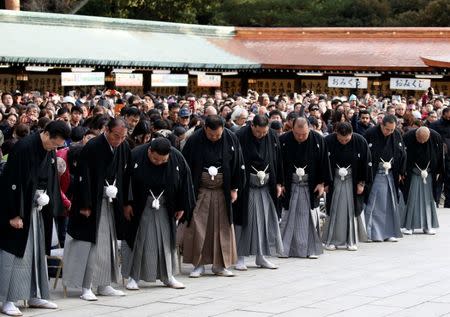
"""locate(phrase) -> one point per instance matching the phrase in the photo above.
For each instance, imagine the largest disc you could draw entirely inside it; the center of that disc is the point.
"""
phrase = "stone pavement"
(408, 278)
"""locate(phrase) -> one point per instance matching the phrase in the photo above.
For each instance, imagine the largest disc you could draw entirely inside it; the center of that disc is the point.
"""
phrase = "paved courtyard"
(408, 278)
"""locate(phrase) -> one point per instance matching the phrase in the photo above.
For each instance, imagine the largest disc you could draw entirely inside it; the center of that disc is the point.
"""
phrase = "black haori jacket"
(95, 165)
(361, 168)
(18, 185)
(393, 148)
(318, 165)
(178, 189)
(233, 168)
(420, 154)
(273, 153)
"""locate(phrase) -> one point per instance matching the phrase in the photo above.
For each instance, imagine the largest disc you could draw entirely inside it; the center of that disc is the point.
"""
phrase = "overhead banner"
(410, 83)
(83, 79)
(204, 80)
(347, 82)
(129, 80)
(170, 80)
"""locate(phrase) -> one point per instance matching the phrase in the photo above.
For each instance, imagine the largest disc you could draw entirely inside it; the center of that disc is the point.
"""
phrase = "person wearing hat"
(183, 118)
(68, 102)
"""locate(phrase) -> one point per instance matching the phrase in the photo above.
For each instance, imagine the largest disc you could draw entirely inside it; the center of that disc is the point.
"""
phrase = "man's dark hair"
(313, 121)
(260, 121)
(361, 112)
(173, 105)
(445, 110)
(160, 124)
(275, 113)
(76, 109)
(389, 119)
(57, 129)
(160, 145)
(214, 122)
(276, 125)
(62, 111)
(292, 115)
(132, 112)
(343, 128)
(115, 122)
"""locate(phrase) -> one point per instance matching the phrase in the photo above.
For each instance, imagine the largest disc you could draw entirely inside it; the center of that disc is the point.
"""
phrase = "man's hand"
(359, 188)
(179, 214)
(128, 212)
(233, 195)
(85, 212)
(280, 190)
(16, 222)
(320, 189)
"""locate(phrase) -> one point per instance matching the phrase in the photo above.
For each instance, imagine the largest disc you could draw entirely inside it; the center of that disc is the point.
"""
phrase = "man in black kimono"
(442, 126)
(425, 161)
(351, 161)
(388, 168)
(162, 193)
(218, 172)
(31, 198)
(96, 219)
(257, 230)
(307, 173)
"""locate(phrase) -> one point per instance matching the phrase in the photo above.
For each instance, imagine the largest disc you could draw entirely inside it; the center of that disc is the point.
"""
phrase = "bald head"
(301, 129)
(301, 122)
(422, 134)
(210, 111)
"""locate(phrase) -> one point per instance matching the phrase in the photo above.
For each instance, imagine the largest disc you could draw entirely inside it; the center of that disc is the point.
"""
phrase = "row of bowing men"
(224, 194)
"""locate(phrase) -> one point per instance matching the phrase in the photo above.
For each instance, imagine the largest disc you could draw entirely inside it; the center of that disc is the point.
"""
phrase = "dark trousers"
(444, 180)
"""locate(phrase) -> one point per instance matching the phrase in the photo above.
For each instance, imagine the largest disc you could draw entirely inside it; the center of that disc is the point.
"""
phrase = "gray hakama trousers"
(26, 277)
(261, 235)
(341, 227)
(152, 256)
(382, 212)
(421, 207)
(300, 224)
(89, 264)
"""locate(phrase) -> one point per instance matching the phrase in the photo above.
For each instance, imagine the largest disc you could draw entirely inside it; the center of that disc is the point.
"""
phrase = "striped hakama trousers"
(209, 238)
(382, 211)
(26, 277)
(261, 235)
(300, 224)
(87, 264)
(341, 227)
(152, 256)
(420, 207)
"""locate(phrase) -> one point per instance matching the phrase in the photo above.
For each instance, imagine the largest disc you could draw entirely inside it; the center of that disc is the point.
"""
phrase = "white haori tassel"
(423, 173)
(213, 171)
(155, 203)
(387, 165)
(300, 171)
(111, 190)
(42, 200)
(343, 171)
(261, 174)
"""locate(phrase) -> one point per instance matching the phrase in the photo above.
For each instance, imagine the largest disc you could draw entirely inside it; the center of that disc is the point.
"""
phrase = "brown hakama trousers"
(210, 239)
